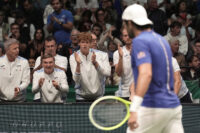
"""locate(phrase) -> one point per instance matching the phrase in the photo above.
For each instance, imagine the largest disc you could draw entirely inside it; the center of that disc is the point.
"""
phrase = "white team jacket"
(60, 61)
(12, 75)
(90, 82)
(48, 92)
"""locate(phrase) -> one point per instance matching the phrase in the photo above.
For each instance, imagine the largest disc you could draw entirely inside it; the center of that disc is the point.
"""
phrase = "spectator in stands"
(107, 37)
(158, 17)
(4, 27)
(175, 32)
(26, 30)
(50, 81)
(122, 63)
(100, 18)
(111, 13)
(33, 16)
(36, 46)
(174, 44)
(182, 16)
(60, 61)
(89, 68)
(85, 23)
(60, 23)
(94, 41)
(15, 73)
(82, 5)
(47, 11)
(97, 30)
(15, 33)
(193, 72)
(73, 46)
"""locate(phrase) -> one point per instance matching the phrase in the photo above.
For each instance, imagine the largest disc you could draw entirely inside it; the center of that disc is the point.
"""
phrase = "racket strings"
(108, 113)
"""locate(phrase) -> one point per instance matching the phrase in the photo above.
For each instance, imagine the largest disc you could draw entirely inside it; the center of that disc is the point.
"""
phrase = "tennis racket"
(109, 112)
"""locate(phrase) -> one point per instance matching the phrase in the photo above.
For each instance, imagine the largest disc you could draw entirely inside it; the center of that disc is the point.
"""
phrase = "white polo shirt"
(127, 75)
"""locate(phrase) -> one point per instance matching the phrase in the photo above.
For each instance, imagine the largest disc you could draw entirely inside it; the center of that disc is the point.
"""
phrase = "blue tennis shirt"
(150, 47)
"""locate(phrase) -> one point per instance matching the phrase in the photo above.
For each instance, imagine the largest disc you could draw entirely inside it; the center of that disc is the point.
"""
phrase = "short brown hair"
(45, 56)
(85, 36)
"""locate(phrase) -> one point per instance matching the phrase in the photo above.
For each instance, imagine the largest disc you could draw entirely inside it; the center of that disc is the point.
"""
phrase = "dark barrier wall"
(68, 118)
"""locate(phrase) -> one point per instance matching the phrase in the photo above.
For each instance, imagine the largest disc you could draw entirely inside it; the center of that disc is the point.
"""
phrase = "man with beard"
(153, 74)
(60, 23)
(60, 61)
(15, 73)
(89, 68)
(122, 63)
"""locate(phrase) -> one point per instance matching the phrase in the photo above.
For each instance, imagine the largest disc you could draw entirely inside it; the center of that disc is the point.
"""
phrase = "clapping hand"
(77, 58)
(41, 81)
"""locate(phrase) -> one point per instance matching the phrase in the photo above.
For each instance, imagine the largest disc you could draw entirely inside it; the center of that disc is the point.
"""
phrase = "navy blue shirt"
(150, 47)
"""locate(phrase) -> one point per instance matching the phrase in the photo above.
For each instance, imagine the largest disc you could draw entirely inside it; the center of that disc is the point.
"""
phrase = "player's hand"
(77, 58)
(93, 58)
(17, 90)
(120, 50)
(41, 81)
(55, 84)
(132, 122)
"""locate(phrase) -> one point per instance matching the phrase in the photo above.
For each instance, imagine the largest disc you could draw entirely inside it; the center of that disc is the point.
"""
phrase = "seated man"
(89, 68)
(15, 73)
(51, 82)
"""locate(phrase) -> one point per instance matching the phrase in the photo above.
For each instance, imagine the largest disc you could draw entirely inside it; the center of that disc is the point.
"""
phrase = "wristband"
(136, 102)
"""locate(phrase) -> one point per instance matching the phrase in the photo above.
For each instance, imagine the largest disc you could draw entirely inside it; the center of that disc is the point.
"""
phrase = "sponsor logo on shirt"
(141, 55)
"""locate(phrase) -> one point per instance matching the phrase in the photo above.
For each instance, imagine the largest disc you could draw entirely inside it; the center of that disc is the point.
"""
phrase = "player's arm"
(144, 79)
(132, 91)
(177, 82)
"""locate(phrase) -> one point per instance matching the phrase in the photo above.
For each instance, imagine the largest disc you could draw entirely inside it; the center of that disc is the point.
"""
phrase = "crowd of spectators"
(53, 27)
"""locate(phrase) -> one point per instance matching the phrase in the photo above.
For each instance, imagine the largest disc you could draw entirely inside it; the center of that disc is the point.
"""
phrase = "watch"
(61, 23)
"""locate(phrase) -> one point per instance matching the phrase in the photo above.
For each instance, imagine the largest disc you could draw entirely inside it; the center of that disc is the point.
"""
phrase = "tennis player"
(155, 107)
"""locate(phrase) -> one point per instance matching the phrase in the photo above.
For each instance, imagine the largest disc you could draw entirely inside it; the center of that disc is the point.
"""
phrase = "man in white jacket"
(60, 61)
(89, 68)
(51, 82)
(15, 73)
